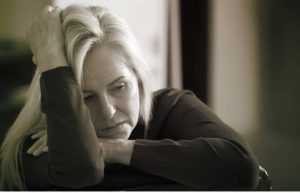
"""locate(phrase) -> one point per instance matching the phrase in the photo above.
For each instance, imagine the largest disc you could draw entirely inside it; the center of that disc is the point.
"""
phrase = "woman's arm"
(74, 156)
(190, 145)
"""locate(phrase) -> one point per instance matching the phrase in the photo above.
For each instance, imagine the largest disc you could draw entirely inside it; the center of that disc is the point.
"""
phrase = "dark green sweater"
(186, 147)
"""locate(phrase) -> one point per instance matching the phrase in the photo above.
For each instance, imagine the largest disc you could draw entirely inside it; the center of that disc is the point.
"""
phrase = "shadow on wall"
(15, 75)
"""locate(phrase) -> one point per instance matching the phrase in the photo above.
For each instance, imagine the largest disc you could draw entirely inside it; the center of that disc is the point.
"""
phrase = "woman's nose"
(108, 108)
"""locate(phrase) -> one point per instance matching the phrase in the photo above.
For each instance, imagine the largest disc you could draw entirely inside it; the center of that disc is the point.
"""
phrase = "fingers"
(36, 145)
(39, 134)
(45, 149)
(50, 8)
(34, 60)
(40, 149)
(40, 145)
(48, 15)
(57, 9)
(46, 39)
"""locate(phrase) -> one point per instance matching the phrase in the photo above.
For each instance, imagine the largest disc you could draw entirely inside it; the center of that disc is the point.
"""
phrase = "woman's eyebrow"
(113, 82)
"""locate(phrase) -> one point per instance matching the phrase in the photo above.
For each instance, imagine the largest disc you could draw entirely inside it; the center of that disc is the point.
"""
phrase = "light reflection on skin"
(111, 92)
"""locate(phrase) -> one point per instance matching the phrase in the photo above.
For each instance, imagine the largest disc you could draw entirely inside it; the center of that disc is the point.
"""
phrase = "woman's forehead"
(104, 65)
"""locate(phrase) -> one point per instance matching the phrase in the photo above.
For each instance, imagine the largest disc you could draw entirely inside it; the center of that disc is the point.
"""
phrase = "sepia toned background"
(242, 57)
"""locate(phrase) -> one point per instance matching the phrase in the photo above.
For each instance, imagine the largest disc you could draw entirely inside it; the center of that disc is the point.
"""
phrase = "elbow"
(243, 167)
(248, 173)
(77, 177)
(88, 177)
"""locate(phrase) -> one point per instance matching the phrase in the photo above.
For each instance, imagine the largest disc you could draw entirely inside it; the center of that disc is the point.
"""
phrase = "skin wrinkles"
(111, 92)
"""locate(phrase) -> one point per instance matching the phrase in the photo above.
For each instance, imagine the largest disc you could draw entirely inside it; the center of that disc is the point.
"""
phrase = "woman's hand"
(114, 150)
(47, 40)
(117, 150)
(40, 145)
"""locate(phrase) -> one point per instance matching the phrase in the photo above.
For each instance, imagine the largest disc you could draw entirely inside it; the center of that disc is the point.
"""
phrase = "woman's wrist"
(125, 152)
(117, 150)
(51, 62)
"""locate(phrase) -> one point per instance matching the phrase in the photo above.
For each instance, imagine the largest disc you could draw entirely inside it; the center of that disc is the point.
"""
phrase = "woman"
(86, 123)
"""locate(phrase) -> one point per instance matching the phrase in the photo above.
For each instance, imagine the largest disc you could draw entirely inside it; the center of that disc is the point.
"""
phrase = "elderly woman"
(92, 122)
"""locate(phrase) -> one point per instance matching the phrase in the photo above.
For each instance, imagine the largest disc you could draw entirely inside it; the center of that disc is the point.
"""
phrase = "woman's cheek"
(93, 113)
(133, 108)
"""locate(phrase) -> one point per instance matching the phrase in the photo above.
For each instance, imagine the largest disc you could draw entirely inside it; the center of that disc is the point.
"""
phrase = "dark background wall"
(279, 34)
(15, 74)
(279, 49)
(254, 80)
(16, 68)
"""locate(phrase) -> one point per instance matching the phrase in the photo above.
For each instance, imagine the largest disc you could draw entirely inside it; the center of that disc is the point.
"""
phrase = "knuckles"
(45, 33)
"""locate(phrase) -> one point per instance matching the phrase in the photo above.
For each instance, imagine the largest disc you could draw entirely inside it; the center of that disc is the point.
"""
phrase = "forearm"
(200, 162)
(192, 146)
(69, 129)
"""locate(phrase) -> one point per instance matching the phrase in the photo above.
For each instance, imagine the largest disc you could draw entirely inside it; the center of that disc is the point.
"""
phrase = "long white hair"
(83, 27)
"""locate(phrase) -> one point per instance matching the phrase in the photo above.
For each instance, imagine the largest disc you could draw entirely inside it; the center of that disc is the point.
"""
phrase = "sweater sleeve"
(74, 156)
(194, 147)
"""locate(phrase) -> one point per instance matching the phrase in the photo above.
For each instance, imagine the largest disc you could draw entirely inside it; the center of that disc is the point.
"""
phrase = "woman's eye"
(121, 90)
(120, 87)
(88, 97)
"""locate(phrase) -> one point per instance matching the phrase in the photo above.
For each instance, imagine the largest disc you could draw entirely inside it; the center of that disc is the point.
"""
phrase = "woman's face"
(111, 92)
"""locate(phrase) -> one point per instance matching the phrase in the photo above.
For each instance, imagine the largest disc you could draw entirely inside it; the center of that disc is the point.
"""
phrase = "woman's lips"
(112, 127)
(110, 132)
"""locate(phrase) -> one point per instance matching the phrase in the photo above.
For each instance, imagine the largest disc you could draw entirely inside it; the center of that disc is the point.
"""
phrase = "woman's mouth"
(114, 126)
(115, 131)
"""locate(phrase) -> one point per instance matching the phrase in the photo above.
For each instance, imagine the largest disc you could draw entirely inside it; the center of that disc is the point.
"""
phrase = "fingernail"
(35, 153)
(29, 151)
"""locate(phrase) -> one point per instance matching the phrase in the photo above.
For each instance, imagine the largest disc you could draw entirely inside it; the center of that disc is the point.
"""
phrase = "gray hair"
(84, 27)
